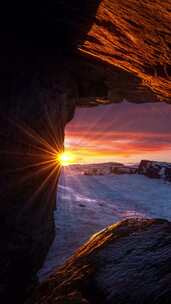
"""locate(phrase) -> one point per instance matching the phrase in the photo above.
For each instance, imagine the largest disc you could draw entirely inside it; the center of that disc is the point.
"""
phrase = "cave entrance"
(124, 132)
(99, 183)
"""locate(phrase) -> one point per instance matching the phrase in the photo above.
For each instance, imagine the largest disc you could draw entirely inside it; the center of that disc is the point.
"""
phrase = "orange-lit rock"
(123, 263)
(134, 35)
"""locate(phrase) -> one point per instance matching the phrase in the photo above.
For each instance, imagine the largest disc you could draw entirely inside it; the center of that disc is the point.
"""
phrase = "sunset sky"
(122, 132)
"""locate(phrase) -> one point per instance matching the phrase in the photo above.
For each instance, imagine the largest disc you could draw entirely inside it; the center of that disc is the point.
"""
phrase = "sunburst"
(65, 158)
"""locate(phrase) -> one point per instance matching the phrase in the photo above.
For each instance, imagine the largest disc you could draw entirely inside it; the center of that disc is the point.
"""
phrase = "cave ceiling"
(115, 49)
(133, 41)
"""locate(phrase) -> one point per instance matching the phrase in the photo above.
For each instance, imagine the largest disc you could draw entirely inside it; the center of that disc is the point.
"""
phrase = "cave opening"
(124, 132)
(101, 180)
(110, 50)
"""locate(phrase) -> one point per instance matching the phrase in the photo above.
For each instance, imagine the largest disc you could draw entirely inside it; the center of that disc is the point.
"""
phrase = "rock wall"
(155, 169)
(33, 115)
(37, 98)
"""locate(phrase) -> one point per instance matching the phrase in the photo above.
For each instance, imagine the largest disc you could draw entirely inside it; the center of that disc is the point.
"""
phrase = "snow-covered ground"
(87, 204)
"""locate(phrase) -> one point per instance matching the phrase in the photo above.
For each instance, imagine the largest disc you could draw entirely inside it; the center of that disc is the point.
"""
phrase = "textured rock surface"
(134, 36)
(100, 83)
(128, 45)
(128, 262)
(155, 169)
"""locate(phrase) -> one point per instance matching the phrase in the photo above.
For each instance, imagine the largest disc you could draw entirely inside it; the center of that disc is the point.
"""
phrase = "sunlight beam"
(65, 158)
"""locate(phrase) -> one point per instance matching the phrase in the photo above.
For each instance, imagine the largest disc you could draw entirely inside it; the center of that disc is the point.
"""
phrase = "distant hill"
(105, 168)
(149, 168)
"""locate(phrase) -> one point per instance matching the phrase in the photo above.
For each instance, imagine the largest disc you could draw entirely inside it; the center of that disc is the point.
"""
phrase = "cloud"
(128, 131)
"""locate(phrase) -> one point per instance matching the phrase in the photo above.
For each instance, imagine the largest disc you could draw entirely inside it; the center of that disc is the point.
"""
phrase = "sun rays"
(65, 158)
(34, 163)
(37, 154)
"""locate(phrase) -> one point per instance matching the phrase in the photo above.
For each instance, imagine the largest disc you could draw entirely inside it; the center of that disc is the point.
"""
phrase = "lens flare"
(65, 158)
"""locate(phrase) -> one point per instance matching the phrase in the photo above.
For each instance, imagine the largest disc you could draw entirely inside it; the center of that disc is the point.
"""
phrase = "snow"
(87, 204)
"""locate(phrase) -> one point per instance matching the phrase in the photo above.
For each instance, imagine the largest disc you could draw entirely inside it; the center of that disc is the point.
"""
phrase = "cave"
(105, 178)
(55, 57)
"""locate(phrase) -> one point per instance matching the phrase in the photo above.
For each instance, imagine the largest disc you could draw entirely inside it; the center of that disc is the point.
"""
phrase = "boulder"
(128, 262)
(155, 169)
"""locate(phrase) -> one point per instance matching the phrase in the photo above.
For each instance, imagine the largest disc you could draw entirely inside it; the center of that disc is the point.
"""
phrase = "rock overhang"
(115, 50)
(134, 37)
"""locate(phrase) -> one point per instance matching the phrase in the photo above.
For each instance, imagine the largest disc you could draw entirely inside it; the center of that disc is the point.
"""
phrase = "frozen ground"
(87, 204)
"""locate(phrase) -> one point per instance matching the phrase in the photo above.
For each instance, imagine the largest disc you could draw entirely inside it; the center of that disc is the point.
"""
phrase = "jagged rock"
(155, 169)
(128, 262)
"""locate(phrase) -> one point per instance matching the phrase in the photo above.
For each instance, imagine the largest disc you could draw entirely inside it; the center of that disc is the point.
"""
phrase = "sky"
(122, 132)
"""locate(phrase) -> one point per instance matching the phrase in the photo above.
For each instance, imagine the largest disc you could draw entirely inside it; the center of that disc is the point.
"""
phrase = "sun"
(65, 158)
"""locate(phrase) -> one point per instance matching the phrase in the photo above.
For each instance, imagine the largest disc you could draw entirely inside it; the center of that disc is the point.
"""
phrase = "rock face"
(155, 169)
(32, 132)
(128, 262)
(37, 99)
(134, 36)
(117, 50)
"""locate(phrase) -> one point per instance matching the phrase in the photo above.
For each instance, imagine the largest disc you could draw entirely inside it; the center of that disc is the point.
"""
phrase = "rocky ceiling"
(132, 38)
(114, 49)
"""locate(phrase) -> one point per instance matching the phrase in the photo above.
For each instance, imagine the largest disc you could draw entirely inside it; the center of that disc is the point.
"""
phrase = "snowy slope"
(87, 204)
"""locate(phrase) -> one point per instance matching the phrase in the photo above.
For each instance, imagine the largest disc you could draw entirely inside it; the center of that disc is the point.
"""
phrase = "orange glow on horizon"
(123, 133)
(116, 147)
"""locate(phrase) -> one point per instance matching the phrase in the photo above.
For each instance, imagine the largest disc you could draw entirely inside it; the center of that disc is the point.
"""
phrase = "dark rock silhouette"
(128, 262)
(155, 169)
(37, 99)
